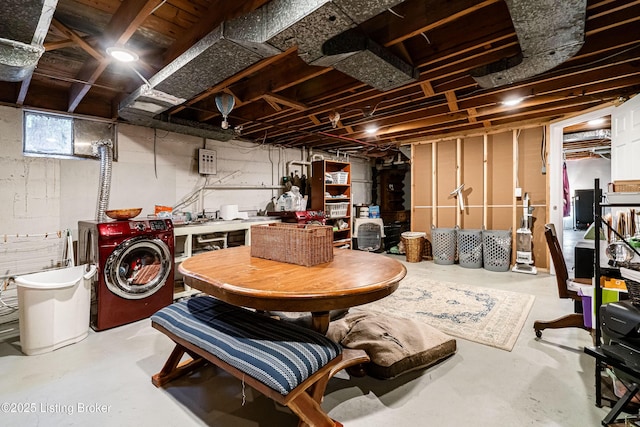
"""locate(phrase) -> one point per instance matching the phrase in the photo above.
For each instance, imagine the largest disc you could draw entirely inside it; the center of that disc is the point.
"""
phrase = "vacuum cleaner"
(524, 254)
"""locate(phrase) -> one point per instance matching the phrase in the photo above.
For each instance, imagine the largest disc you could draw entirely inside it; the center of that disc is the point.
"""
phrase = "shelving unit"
(333, 196)
(196, 238)
(601, 358)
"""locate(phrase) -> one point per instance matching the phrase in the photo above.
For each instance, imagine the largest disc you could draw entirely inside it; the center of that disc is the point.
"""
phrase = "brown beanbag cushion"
(395, 345)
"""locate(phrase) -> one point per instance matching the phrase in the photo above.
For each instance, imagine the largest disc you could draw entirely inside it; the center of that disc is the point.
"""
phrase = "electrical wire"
(395, 13)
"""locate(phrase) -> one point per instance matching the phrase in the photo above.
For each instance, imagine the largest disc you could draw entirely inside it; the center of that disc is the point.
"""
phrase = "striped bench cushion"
(279, 354)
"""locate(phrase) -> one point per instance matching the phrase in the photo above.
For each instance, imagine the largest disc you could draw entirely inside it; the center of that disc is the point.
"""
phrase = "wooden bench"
(288, 363)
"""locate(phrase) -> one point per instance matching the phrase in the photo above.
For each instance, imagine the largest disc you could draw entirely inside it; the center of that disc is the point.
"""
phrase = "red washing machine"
(135, 268)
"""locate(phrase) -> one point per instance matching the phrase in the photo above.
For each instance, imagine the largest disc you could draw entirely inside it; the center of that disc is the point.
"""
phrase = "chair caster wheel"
(538, 334)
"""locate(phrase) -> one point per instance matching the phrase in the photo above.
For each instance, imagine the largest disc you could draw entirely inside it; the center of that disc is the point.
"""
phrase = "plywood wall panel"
(421, 187)
(500, 169)
(446, 216)
(472, 217)
(422, 175)
(472, 170)
(446, 171)
(499, 218)
(530, 177)
(421, 220)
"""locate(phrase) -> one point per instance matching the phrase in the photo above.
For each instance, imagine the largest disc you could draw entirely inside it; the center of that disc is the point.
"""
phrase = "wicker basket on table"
(300, 244)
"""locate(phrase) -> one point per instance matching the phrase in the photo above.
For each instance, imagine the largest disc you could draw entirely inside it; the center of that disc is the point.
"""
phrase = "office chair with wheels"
(567, 288)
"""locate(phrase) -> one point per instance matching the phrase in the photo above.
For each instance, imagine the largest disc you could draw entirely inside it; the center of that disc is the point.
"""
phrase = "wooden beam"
(60, 44)
(72, 35)
(425, 16)
(452, 101)
(314, 119)
(127, 19)
(278, 78)
(272, 103)
(427, 88)
(255, 68)
(472, 115)
(274, 97)
(123, 24)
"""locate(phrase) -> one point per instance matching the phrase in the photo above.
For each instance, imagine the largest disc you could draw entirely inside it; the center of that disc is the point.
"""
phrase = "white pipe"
(70, 256)
(296, 162)
(242, 187)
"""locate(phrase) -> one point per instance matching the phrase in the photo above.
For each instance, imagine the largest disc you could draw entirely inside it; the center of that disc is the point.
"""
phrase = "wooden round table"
(352, 278)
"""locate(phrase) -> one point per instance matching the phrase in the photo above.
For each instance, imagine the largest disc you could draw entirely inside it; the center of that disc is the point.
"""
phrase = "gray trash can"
(470, 248)
(496, 249)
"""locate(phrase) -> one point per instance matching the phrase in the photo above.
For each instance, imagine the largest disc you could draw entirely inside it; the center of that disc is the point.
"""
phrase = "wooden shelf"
(339, 193)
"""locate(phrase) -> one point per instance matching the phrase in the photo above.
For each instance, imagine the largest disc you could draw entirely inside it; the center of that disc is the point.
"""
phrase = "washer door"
(138, 267)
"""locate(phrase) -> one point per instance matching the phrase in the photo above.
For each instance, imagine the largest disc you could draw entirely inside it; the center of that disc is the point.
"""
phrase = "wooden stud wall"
(491, 167)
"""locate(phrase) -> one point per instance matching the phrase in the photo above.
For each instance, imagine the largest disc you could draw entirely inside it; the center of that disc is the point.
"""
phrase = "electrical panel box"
(207, 162)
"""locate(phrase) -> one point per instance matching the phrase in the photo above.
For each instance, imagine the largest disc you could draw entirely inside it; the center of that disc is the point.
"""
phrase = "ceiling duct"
(307, 24)
(549, 32)
(210, 61)
(366, 61)
(589, 135)
(23, 28)
(240, 43)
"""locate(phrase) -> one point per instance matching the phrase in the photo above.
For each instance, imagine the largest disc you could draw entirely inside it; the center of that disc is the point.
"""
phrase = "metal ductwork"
(23, 28)
(242, 42)
(361, 58)
(589, 135)
(211, 60)
(549, 32)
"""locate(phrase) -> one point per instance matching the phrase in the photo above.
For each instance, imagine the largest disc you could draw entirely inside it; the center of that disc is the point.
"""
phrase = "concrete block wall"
(41, 195)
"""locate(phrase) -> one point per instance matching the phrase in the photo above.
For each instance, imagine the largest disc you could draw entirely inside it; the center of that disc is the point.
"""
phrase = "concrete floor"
(105, 380)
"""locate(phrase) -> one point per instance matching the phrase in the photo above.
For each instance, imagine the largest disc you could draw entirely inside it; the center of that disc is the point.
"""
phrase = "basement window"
(55, 135)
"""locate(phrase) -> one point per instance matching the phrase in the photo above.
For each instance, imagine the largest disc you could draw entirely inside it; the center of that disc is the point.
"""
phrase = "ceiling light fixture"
(122, 54)
(511, 102)
(371, 129)
(595, 122)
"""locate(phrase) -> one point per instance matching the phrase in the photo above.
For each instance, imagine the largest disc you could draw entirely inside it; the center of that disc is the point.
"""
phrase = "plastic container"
(443, 242)
(588, 310)
(337, 210)
(53, 308)
(470, 248)
(413, 245)
(496, 249)
(340, 177)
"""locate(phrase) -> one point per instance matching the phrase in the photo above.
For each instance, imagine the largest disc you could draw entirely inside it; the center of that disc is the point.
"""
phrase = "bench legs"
(349, 357)
(304, 401)
(173, 369)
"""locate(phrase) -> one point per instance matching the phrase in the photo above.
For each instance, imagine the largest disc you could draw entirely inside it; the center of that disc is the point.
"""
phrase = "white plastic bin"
(54, 308)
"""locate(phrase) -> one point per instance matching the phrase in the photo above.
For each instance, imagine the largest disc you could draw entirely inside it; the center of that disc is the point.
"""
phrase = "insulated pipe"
(106, 161)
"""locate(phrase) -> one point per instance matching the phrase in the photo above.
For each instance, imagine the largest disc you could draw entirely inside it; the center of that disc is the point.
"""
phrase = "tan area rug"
(486, 316)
